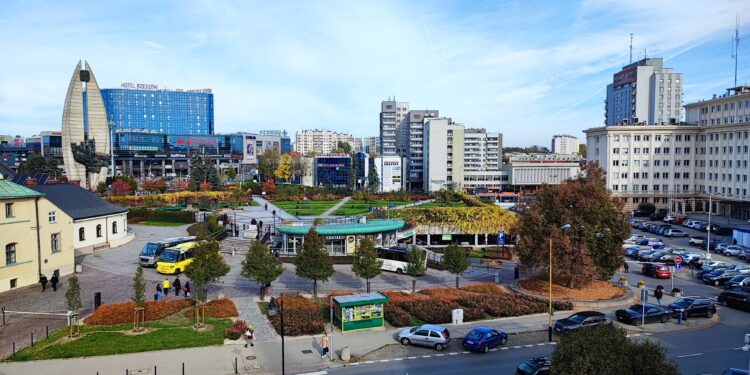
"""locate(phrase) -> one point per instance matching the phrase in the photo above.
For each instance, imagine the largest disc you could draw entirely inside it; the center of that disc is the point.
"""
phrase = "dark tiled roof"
(6, 171)
(78, 202)
(20, 178)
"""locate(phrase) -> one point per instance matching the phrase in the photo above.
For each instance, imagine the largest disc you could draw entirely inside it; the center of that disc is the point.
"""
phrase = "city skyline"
(272, 66)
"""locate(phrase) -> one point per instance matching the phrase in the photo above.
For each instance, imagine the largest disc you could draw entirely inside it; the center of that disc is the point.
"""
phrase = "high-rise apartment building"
(443, 157)
(392, 117)
(644, 92)
(564, 144)
(371, 144)
(320, 141)
(483, 151)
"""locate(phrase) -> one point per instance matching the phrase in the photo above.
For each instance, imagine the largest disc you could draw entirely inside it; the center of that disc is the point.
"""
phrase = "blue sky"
(529, 69)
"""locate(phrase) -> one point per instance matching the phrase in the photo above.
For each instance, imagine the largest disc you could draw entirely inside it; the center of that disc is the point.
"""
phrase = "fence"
(31, 335)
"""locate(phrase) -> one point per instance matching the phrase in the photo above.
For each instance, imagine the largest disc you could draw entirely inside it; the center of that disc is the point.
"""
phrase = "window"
(9, 210)
(114, 227)
(624, 163)
(55, 242)
(52, 215)
(81, 234)
(615, 163)
(98, 230)
(13, 283)
(10, 254)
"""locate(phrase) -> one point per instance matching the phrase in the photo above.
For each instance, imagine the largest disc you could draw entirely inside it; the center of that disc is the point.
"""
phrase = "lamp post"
(549, 320)
(273, 308)
(274, 221)
(708, 231)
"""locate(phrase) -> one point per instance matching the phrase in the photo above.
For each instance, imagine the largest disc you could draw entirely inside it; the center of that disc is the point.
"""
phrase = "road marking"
(426, 356)
(316, 373)
(647, 334)
(493, 350)
(689, 355)
(398, 359)
(439, 355)
(529, 346)
(454, 353)
(464, 352)
(541, 344)
(517, 347)
(355, 364)
(504, 348)
(411, 357)
(553, 343)
(385, 360)
(368, 362)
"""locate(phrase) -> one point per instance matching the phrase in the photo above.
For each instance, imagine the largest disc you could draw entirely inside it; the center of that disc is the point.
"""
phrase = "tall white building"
(320, 141)
(483, 151)
(371, 144)
(392, 117)
(644, 92)
(443, 157)
(564, 144)
(390, 171)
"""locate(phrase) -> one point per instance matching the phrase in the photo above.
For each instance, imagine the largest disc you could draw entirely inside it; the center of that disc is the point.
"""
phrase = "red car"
(659, 271)
(678, 220)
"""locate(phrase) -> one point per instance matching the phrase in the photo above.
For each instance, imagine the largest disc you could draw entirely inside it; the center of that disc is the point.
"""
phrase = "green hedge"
(166, 216)
(339, 259)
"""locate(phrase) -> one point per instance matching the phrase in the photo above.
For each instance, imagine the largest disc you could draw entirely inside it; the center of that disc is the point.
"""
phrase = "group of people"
(54, 281)
(162, 289)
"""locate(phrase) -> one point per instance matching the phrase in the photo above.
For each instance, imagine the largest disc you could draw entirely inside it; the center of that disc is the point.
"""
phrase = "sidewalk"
(335, 207)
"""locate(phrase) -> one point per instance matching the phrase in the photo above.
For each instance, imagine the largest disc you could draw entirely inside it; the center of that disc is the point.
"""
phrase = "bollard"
(14, 348)
(46, 328)
(32, 338)
(3, 315)
(154, 369)
(235, 366)
(183, 368)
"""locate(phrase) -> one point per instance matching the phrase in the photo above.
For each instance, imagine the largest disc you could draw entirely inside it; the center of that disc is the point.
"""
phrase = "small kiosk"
(359, 311)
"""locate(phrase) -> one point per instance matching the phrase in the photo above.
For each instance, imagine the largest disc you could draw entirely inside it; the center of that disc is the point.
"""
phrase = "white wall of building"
(564, 144)
(390, 172)
(443, 154)
(108, 233)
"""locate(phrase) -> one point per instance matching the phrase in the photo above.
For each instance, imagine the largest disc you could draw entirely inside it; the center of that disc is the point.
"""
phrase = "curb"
(622, 301)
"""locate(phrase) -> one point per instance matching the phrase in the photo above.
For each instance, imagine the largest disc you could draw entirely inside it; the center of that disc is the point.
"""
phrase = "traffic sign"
(677, 266)
(677, 260)
(501, 237)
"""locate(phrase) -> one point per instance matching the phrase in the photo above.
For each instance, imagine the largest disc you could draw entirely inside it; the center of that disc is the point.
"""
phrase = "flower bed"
(595, 290)
(302, 316)
(118, 313)
(236, 330)
(189, 197)
(218, 308)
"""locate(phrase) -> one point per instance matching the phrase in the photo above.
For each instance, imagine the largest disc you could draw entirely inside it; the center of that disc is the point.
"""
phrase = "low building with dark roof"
(96, 223)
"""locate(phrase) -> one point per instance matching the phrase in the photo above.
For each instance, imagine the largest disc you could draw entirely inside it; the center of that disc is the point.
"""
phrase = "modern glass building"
(160, 111)
(332, 170)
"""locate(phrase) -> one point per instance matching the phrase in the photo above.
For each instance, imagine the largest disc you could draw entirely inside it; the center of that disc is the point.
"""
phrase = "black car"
(720, 276)
(634, 314)
(534, 366)
(737, 298)
(693, 306)
(706, 270)
(581, 319)
(738, 281)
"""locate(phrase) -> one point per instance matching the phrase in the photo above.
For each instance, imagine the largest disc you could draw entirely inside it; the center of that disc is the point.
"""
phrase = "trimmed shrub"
(218, 308)
(119, 313)
(432, 310)
(485, 288)
(236, 330)
(166, 216)
(397, 316)
(302, 316)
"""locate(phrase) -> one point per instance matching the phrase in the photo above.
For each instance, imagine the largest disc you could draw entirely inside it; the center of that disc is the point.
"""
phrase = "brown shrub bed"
(123, 312)
(218, 308)
(302, 316)
(596, 290)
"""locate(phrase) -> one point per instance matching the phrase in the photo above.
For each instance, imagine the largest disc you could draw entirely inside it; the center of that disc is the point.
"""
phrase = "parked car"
(653, 256)
(693, 306)
(735, 371)
(697, 224)
(732, 250)
(658, 271)
(710, 268)
(671, 232)
(668, 218)
(645, 256)
(634, 314)
(688, 223)
(720, 276)
(667, 258)
(721, 245)
(482, 339)
(737, 298)
(534, 366)
(696, 240)
(631, 252)
(678, 220)
(745, 254)
(738, 281)
(581, 319)
(430, 335)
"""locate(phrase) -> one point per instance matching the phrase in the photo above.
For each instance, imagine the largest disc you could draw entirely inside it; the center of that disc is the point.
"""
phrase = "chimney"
(75, 182)
(30, 182)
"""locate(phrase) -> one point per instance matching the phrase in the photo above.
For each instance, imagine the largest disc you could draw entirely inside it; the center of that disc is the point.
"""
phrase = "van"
(151, 251)
(175, 259)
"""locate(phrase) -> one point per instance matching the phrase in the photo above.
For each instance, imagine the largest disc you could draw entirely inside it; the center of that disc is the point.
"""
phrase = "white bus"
(395, 259)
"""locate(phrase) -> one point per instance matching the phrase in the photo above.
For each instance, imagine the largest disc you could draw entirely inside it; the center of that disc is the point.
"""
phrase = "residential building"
(678, 166)
(371, 144)
(35, 235)
(390, 172)
(644, 92)
(483, 151)
(443, 156)
(320, 141)
(256, 144)
(530, 171)
(393, 116)
(564, 144)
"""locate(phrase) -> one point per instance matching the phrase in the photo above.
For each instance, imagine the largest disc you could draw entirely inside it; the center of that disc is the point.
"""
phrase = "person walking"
(157, 296)
(165, 287)
(177, 286)
(54, 280)
(658, 294)
(626, 267)
(187, 289)
(324, 344)
(249, 335)
(43, 281)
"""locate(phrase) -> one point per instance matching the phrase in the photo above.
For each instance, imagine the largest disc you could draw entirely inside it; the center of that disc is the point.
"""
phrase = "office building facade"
(390, 172)
(371, 144)
(393, 115)
(331, 170)
(564, 144)
(530, 171)
(644, 92)
(320, 141)
(483, 151)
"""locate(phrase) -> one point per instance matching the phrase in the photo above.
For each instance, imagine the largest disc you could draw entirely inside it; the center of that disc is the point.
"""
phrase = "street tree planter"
(623, 281)
(200, 315)
(139, 320)
(677, 293)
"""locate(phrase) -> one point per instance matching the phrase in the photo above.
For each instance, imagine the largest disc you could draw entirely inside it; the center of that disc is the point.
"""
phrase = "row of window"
(82, 231)
(657, 150)
(654, 188)
(656, 175)
(11, 257)
(727, 106)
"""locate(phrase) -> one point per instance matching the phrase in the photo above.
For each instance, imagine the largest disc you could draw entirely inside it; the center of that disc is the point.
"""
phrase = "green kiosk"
(359, 311)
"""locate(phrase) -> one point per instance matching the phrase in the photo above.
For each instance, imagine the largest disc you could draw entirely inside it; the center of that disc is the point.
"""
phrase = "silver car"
(429, 335)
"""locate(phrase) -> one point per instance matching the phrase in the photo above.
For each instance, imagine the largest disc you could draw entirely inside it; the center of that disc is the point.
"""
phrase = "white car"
(675, 233)
(668, 218)
(696, 224)
(688, 223)
(733, 250)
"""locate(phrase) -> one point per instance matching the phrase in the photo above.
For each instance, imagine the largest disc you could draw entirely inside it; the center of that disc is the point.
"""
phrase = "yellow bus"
(174, 260)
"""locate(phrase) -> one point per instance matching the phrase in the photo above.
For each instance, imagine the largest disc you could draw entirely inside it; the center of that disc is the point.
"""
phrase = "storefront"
(341, 239)
(359, 311)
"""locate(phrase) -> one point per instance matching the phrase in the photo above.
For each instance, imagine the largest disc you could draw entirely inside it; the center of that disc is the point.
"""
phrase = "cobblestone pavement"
(250, 312)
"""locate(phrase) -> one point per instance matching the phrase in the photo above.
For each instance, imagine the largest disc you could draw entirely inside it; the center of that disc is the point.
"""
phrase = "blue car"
(481, 339)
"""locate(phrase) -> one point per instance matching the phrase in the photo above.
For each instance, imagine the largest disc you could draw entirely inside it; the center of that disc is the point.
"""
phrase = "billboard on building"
(250, 150)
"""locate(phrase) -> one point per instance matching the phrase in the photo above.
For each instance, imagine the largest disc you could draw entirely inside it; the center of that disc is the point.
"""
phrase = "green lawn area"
(356, 207)
(305, 208)
(160, 223)
(108, 340)
(436, 204)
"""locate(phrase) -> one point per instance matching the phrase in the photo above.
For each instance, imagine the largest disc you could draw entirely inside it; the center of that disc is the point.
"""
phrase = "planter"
(624, 282)
(677, 294)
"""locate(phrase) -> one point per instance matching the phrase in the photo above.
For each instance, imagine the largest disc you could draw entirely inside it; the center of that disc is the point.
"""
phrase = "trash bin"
(458, 316)
(346, 354)
(97, 300)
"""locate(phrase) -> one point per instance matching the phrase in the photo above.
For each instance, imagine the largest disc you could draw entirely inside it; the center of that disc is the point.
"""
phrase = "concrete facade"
(483, 151)
(533, 170)
(390, 172)
(443, 154)
(564, 144)
(320, 141)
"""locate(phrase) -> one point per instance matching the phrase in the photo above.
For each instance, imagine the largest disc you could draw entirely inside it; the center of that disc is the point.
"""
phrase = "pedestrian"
(626, 267)
(233, 251)
(177, 286)
(43, 281)
(187, 289)
(249, 335)
(54, 282)
(679, 316)
(324, 344)
(165, 287)
(157, 296)
(658, 294)
(266, 206)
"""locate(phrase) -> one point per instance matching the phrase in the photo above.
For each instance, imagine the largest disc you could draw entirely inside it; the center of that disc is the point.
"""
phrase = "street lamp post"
(274, 221)
(549, 321)
(272, 310)
(708, 235)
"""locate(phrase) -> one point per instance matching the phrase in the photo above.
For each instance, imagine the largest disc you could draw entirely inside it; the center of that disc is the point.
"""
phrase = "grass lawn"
(356, 207)
(160, 223)
(305, 208)
(108, 340)
(436, 204)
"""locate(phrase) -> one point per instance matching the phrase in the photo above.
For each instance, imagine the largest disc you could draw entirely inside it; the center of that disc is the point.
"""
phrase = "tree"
(260, 265)
(139, 299)
(269, 186)
(120, 187)
(646, 208)
(605, 350)
(345, 147)
(205, 186)
(299, 167)
(415, 266)
(103, 186)
(455, 260)
(351, 183)
(592, 246)
(36, 163)
(231, 173)
(582, 150)
(313, 262)
(284, 169)
(268, 161)
(366, 263)
(155, 186)
(373, 180)
(208, 266)
(202, 169)
(73, 294)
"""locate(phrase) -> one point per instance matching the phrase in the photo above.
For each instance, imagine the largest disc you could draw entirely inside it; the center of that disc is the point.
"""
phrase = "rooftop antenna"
(631, 48)
(736, 47)
(644, 54)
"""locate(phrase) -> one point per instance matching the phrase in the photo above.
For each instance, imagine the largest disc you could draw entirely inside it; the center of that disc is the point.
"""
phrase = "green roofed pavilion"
(369, 227)
(9, 190)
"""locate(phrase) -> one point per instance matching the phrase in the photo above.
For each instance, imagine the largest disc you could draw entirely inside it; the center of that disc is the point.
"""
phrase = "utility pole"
(631, 49)
(735, 54)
